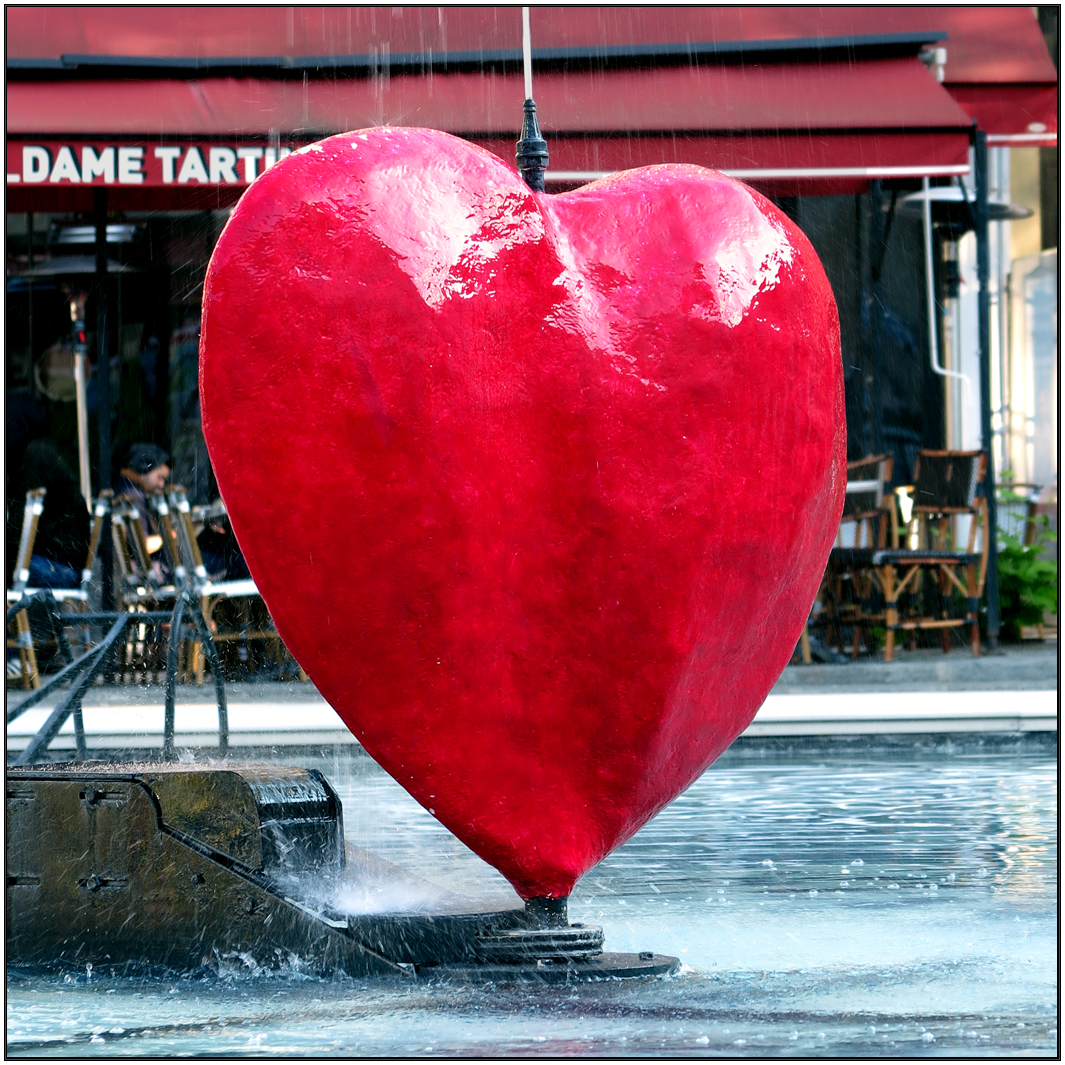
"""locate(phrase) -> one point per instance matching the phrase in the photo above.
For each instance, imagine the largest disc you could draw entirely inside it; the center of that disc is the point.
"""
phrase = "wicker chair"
(77, 598)
(213, 593)
(850, 592)
(947, 487)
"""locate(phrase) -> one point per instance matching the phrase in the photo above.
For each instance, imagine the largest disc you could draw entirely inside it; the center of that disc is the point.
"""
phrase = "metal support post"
(31, 262)
(983, 271)
(531, 150)
(103, 392)
(874, 310)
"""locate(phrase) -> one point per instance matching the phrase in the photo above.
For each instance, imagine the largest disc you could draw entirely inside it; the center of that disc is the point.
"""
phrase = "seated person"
(145, 472)
(62, 542)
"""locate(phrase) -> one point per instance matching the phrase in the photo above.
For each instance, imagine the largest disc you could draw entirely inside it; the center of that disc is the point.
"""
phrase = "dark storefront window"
(873, 257)
(156, 266)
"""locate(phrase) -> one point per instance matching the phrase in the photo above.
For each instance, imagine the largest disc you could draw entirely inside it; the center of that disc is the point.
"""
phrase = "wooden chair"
(23, 639)
(139, 589)
(869, 504)
(171, 541)
(945, 489)
(849, 591)
(78, 598)
(101, 507)
(138, 582)
(212, 593)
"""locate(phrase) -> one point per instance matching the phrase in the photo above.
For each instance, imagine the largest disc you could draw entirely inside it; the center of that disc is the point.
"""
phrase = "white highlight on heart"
(611, 276)
(431, 219)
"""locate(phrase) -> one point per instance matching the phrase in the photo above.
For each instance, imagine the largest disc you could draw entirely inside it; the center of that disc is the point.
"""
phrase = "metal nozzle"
(531, 153)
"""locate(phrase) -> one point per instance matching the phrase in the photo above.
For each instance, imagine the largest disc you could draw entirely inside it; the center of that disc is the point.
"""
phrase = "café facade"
(132, 132)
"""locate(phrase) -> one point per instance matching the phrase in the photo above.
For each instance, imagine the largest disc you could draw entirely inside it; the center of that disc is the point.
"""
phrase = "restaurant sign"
(149, 165)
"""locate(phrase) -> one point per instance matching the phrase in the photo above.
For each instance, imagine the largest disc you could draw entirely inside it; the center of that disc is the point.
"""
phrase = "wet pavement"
(1031, 666)
(1028, 666)
(1012, 690)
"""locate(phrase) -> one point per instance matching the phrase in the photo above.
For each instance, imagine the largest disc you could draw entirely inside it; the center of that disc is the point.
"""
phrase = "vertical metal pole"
(983, 271)
(103, 389)
(526, 52)
(1002, 229)
(861, 434)
(82, 751)
(30, 263)
(531, 150)
(173, 651)
(81, 377)
(876, 237)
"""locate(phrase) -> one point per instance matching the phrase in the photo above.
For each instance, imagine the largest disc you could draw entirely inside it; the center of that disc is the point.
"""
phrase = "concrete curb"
(312, 721)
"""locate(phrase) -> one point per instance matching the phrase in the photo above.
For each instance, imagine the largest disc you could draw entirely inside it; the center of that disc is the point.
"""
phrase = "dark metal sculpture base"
(554, 971)
(185, 866)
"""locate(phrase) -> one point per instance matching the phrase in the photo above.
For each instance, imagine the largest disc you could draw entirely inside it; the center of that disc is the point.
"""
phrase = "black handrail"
(55, 618)
(71, 702)
(77, 664)
(84, 670)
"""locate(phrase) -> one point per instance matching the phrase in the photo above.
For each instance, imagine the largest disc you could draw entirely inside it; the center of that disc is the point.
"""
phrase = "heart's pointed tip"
(560, 889)
(542, 873)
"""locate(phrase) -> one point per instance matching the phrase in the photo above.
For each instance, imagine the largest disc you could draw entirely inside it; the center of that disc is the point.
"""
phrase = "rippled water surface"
(837, 902)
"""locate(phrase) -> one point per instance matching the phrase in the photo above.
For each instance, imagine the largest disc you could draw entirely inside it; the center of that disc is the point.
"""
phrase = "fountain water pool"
(842, 900)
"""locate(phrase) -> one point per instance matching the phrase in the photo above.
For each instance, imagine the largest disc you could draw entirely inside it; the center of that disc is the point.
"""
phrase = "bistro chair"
(170, 537)
(23, 640)
(136, 582)
(139, 587)
(212, 593)
(77, 598)
(946, 495)
(849, 591)
(868, 503)
(101, 507)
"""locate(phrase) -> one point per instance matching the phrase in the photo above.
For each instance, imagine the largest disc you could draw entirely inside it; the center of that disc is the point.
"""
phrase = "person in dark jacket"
(145, 473)
(62, 543)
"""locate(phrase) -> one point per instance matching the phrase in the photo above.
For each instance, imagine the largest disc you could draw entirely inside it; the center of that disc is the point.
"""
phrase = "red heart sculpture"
(538, 489)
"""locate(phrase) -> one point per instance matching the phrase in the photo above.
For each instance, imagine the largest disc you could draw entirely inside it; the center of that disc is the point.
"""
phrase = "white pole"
(80, 380)
(526, 51)
(930, 284)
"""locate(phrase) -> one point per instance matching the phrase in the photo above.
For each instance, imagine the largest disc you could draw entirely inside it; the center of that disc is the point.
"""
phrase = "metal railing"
(81, 672)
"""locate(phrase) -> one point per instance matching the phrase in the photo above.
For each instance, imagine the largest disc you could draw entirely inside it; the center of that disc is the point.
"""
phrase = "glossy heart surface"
(538, 489)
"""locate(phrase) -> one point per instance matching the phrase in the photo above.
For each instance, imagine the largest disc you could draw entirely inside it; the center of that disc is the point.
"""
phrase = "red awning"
(896, 94)
(1014, 115)
(806, 102)
(804, 126)
(1000, 72)
(233, 30)
(986, 44)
